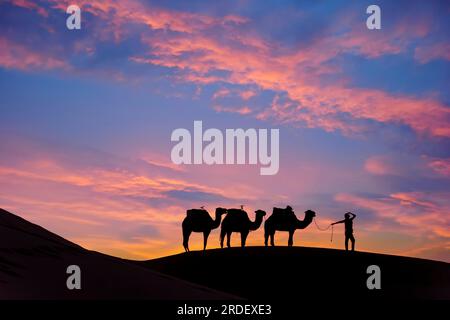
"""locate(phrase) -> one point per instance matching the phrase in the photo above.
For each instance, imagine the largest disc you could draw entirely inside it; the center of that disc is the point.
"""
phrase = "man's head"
(347, 215)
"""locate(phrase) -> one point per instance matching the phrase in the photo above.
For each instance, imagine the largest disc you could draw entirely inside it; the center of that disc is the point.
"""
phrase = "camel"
(285, 220)
(237, 221)
(199, 220)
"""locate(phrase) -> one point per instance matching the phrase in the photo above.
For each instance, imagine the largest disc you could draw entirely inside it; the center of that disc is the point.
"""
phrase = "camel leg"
(272, 238)
(228, 239)
(222, 237)
(291, 238)
(205, 239)
(186, 235)
(243, 238)
(266, 236)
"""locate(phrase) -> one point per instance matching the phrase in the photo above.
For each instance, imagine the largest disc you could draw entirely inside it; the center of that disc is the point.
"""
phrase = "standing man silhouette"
(348, 229)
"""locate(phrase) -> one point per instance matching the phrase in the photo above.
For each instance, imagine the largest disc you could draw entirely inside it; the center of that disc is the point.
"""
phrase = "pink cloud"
(399, 164)
(257, 63)
(408, 165)
(422, 218)
(17, 56)
(379, 165)
(202, 44)
(224, 92)
(30, 5)
(419, 213)
(441, 166)
(240, 110)
(424, 54)
(392, 41)
(112, 182)
(247, 94)
(120, 13)
(413, 198)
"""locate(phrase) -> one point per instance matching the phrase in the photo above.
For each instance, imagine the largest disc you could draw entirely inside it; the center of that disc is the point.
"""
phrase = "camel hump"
(196, 212)
(236, 212)
(282, 211)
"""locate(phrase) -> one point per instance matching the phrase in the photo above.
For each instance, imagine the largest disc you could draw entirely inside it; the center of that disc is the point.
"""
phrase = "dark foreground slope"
(33, 264)
(311, 273)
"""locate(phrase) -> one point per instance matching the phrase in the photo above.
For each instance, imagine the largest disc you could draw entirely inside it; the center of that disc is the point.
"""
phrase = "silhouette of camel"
(237, 221)
(285, 220)
(199, 220)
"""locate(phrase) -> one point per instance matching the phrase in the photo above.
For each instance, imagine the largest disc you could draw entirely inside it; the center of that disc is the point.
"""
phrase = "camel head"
(310, 214)
(261, 213)
(221, 211)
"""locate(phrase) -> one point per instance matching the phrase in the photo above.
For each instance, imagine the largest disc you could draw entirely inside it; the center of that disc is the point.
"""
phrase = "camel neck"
(216, 221)
(301, 224)
(254, 225)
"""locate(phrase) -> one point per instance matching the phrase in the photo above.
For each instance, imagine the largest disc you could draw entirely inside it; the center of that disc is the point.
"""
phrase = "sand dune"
(33, 264)
(290, 273)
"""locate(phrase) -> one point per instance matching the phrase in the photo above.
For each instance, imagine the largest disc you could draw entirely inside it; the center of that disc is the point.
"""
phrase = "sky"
(86, 118)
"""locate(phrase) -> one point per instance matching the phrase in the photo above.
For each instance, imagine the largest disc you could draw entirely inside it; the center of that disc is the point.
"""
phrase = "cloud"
(423, 213)
(398, 164)
(247, 94)
(223, 92)
(31, 6)
(408, 166)
(425, 54)
(117, 205)
(244, 110)
(121, 13)
(83, 180)
(409, 223)
(331, 107)
(198, 196)
(379, 165)
(441, 166)
(17, 56)
(205, 49)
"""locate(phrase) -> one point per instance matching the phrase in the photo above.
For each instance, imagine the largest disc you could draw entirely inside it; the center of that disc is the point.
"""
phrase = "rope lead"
(332, 228)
